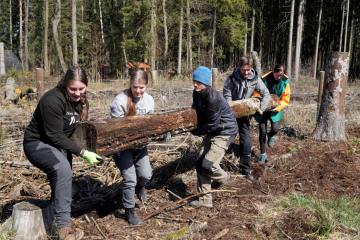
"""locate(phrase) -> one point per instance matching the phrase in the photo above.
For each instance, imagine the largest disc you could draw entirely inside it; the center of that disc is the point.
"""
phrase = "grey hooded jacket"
(238, 88)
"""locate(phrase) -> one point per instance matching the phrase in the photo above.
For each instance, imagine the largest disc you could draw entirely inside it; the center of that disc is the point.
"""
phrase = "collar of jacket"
(203, 92)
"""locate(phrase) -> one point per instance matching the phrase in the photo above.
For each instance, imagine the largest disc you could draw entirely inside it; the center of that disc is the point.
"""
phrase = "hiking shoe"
(69, 233)
(271, 141)
(141, 194)
(197, 204)
(132, 217)
(262, 158)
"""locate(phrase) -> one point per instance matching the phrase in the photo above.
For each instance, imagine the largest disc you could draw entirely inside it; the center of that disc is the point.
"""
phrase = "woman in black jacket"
(47, 144)
(217, 122)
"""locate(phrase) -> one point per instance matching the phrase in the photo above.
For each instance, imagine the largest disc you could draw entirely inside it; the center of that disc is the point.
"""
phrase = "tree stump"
(32, 220)
(330, 124)
(10, 89)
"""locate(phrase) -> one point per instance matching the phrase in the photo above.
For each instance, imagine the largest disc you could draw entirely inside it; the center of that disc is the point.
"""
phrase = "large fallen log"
(109, 136)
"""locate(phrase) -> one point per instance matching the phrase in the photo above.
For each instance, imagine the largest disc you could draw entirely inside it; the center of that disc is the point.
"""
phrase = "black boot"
(131, 216)
(141, 194)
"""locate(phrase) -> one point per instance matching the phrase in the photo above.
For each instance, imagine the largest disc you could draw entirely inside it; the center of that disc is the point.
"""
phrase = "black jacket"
(54, 121)
(214, 113)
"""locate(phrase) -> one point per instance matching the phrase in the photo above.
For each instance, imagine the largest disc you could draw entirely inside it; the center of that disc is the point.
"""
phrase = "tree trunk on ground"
(74, 32)
(46, 37)
(32, 220)
(26, 36)
(317, 40)
(21, 38)
(166, 43)
(110, 136)
(331, 118)
(342, 25)
(180, 37)
(153, 36)
(213, 40)
(55, 24)
(10, 25)
(299, 40)
(189, 38)
(291, 29)
(346, 25)
(252, 30)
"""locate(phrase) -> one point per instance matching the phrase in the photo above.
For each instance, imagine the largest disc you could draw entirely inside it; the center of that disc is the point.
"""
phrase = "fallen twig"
(98, 228)
(282, 231)
(220, 234)
(180, 203)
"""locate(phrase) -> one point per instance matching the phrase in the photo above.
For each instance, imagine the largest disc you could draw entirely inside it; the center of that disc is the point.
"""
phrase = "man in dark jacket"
(217, 122)
(241, 84)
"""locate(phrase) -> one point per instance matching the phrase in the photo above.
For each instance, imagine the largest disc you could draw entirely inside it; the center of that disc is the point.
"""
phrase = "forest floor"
(307, 190)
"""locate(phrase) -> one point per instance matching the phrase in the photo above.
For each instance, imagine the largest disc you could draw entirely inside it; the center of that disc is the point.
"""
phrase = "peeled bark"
(110, 136)
(331, 118)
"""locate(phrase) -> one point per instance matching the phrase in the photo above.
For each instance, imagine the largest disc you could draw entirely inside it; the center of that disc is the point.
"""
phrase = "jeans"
(275, 127)
(136, 172)
(57, 167)
(245, 144)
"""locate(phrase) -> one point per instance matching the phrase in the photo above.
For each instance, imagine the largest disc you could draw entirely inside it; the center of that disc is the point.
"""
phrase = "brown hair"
(279, 67)
(76, 73)
(244, 61)
(135, 76)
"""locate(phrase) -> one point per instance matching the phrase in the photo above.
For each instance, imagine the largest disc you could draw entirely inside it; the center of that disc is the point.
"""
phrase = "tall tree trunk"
(291, 29)
(74, 32)
(180, 36)
(299, 39)
(245, 37)
(189, 38)
(346, 25)
(213, 39)
(317, 40)
(342, 24)
(21, 38)
(252, 31)
(10, 24)
(166, 43)
(351, 42)
(153, 35)
(123, 37)
(55, 24)
(261, 30)
(331, 118)
(26, 36)
(46, 36)
(101, 23)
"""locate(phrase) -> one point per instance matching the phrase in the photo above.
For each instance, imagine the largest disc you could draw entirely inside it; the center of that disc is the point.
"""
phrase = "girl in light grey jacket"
(134, 164)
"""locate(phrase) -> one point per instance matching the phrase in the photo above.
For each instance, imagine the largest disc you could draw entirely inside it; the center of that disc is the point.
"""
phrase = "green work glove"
(91, 157)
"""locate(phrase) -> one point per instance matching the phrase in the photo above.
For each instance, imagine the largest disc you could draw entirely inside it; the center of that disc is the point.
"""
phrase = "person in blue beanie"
(217, 122)
(242, 84)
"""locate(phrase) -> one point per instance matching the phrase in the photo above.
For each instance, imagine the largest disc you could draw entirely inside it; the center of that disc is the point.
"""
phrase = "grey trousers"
(208, 164)
(58, 170)
(136, 172)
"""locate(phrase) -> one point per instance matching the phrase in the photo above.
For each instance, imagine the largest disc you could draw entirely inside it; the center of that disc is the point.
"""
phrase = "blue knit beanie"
(202, 74)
